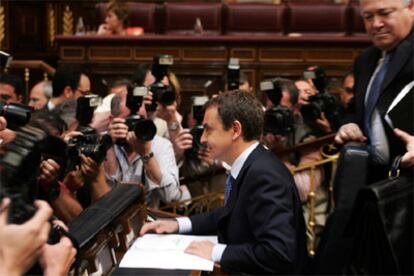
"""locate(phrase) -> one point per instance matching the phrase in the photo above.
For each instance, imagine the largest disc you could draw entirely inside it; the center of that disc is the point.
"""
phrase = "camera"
(321, 102)
(5, 60)
(91, 145)
(144, 129)
(233, 74)
(197, 131)
(16, 115)
(273, 90)
(278, 121)
(85, 108)
(318, 76)
(164, 94)
(19, 167)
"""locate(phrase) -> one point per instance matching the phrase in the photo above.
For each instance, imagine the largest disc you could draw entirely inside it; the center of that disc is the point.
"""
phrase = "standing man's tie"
(229, 185)
(374, 94)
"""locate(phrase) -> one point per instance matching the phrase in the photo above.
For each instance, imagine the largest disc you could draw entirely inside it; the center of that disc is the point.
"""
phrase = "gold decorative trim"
(2, 25)
(67, 21)
(51, 19)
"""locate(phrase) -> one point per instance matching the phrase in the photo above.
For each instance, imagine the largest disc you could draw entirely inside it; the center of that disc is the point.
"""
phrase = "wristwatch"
(146, 158)
(173, 126)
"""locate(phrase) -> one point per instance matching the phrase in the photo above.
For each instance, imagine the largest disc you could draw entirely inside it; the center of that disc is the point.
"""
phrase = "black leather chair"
(334, 248)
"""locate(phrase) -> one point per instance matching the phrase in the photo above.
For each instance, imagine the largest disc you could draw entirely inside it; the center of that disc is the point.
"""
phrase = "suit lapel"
(401, 57)
(235, 189)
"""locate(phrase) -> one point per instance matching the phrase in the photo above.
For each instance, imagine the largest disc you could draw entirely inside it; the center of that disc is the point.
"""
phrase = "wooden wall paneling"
(146, 54)
(244, 54)
(110, 53)
(29, 27)
(52, 25)
(329, 55)
(72, 53)
(207, 54)
(293, 55)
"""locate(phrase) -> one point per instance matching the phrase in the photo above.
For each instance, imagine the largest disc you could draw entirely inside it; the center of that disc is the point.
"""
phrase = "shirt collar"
(239, 162)
(50, 105)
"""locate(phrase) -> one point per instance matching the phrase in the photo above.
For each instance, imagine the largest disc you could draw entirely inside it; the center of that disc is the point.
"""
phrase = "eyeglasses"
(83, 92)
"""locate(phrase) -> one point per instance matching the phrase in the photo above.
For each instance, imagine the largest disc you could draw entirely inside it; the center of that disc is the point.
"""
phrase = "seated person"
(115, 20)
(150, 162)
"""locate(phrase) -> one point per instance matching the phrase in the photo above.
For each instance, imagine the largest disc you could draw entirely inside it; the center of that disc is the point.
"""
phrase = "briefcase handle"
(395, 167)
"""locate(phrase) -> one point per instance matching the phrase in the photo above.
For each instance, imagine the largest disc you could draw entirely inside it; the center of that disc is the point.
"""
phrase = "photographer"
(151, 162)
(22, 244)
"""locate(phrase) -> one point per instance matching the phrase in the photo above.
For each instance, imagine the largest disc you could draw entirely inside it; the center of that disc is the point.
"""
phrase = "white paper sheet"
(166, 252)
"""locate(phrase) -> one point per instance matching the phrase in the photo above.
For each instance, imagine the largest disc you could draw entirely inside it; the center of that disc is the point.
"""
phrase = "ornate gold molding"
(51, 19)
(67, 21)
(2, 24)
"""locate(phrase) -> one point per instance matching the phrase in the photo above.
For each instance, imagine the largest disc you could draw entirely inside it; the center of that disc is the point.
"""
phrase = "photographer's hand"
(20, 245)
(117, 129)
(57, 259)
(323, 124)
(168, 113)
(49, 173)
(182, 142)
(3, 123)
(89, 168)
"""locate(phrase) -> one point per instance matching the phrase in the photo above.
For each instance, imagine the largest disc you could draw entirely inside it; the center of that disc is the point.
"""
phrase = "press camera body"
(163, 94)
(273, 89)
(197, 131)
(233, 74)
(323, 101)
(16, 115)
(278, 121)
(144, 129)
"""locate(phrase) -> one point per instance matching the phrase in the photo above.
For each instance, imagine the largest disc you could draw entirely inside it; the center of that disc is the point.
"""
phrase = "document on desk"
(166, 251)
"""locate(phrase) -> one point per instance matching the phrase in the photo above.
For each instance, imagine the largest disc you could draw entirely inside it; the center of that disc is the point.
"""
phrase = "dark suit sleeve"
(270, 209)
(205, 223)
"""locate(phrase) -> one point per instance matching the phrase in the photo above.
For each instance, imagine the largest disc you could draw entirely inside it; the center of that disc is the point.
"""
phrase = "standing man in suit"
(381, 72)
(260, 228)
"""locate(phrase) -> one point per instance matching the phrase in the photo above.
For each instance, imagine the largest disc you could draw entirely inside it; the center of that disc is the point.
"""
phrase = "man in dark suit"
(381, 72)
(260, 228)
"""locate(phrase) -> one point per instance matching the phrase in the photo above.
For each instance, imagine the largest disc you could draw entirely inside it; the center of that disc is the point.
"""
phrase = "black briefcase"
(382, 228)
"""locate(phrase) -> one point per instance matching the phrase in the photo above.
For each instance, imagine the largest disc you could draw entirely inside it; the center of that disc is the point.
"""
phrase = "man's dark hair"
(140, 72)
(119, 82)
(240, 106)
(14, 81)
(66, 75)
(290, 87)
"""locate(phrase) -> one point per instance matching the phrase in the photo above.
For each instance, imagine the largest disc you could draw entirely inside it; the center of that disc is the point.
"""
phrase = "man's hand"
(275, 142)
(408, 158)
(49, 173)
(205, 154)
(89, 168)
(349, 132)
(117, 129)
(160, 227)
(139, 146)
(203, 249)
(167, 113)
(20, 245)
(3, 123)
(57, 259)
(323, 124)
(182, 142)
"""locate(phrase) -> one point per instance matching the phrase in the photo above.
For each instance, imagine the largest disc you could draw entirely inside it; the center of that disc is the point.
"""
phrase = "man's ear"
(237, 129)
(68, 92)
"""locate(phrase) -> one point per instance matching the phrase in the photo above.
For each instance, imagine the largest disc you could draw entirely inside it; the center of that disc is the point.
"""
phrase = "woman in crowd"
(115, 20)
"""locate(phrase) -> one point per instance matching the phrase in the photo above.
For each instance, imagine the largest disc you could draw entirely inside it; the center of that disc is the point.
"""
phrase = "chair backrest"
(180, 18)
(254, 18)
(317, 18)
